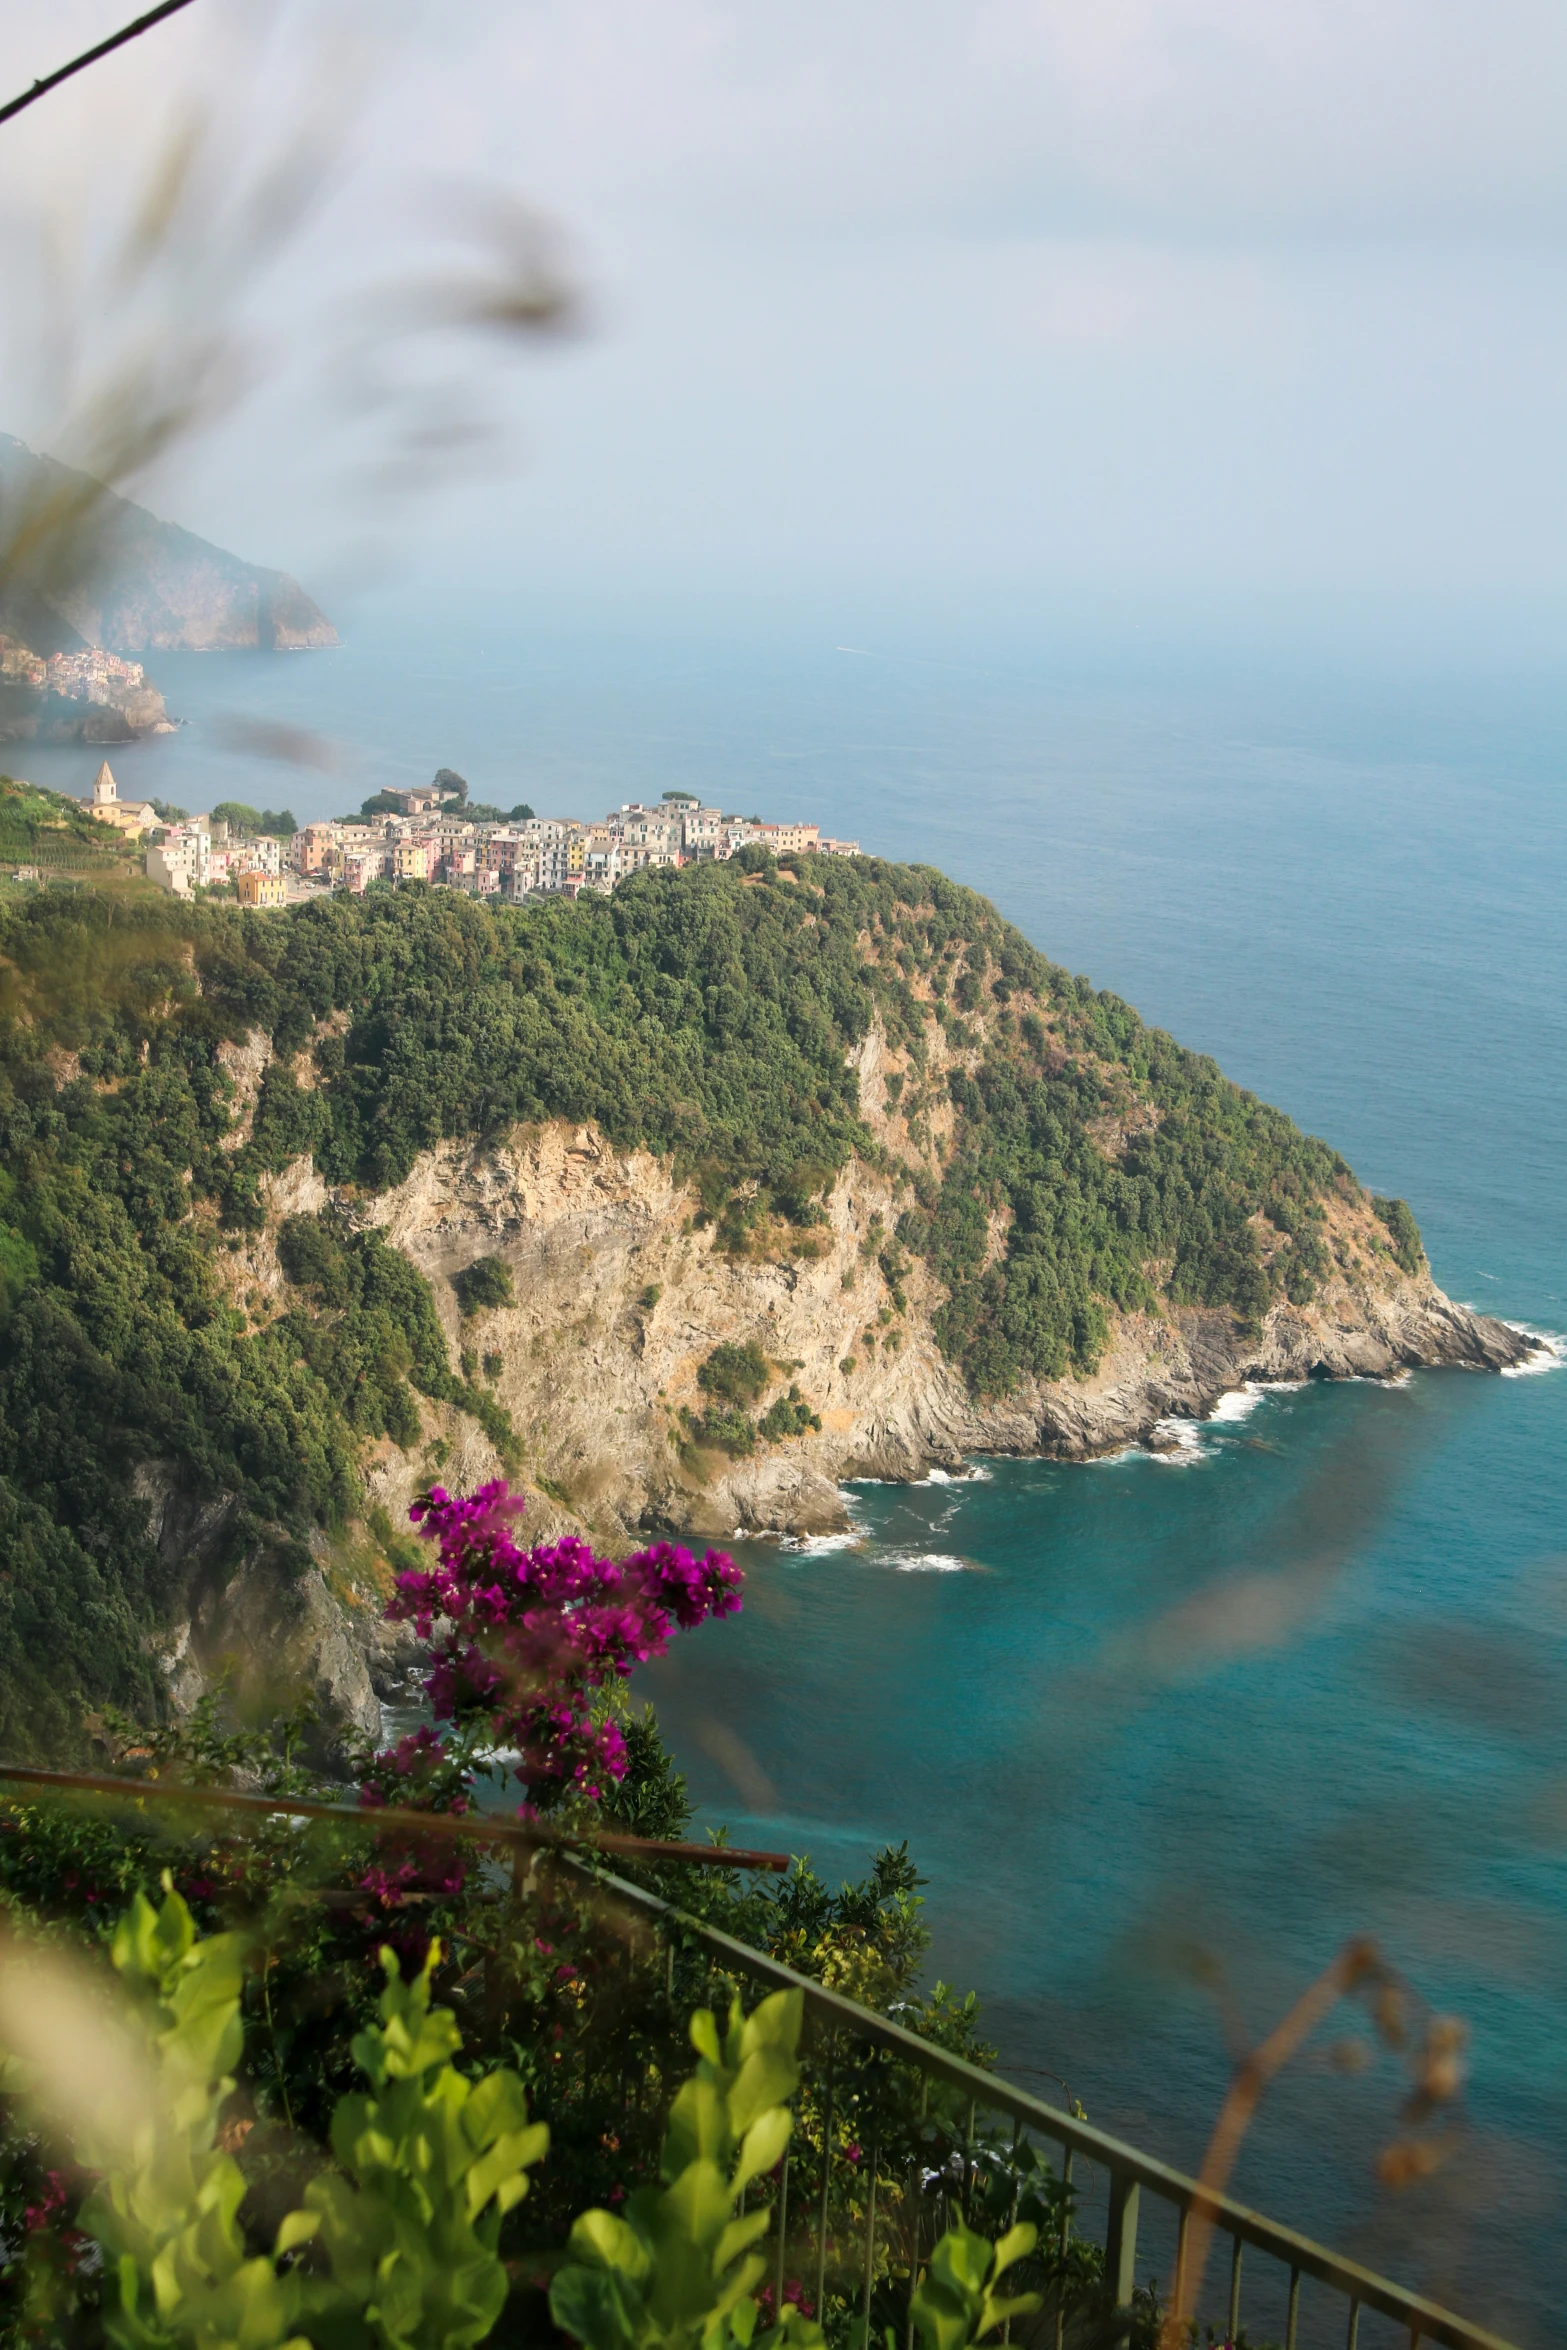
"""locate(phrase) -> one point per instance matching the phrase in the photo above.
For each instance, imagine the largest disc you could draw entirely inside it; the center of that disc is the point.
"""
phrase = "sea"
(1162, 1733)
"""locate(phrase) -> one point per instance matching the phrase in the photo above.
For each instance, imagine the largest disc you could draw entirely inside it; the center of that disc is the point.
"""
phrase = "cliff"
(620, 1299)
(103, 571)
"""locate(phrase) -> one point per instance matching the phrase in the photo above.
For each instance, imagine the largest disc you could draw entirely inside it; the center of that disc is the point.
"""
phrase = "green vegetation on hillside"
(707, 1015)
(43, 828)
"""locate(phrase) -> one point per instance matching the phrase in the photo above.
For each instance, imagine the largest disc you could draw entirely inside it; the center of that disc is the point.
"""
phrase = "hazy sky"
(1160, 306)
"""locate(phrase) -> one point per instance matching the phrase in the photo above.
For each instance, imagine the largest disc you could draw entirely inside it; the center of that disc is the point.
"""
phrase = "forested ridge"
(707, 1015)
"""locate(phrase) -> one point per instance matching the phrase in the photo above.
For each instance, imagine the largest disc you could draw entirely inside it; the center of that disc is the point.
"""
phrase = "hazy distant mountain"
(116, 576)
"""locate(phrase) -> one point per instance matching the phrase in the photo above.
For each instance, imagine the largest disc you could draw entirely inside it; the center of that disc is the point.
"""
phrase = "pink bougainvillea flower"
(523, 1639)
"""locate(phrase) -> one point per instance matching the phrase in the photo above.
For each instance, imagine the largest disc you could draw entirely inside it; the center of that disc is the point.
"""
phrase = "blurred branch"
(129, 32)
(1434, 2056)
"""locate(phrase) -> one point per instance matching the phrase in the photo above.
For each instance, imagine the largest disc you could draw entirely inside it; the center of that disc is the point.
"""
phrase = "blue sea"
(1160, 1733)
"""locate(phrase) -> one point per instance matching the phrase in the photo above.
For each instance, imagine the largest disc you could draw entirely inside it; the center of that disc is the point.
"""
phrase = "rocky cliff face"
(621, 1294)
(29, 716)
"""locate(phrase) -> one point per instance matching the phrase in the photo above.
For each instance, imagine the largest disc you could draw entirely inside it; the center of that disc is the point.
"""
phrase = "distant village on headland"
(435, 835)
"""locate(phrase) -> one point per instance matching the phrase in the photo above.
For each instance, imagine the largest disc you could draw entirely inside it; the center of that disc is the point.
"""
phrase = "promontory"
(678, 1206)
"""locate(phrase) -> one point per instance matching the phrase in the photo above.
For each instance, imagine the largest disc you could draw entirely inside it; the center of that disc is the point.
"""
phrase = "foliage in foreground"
(402, 2233)
(396, 2241)
(543, 1984)
(679, 2266)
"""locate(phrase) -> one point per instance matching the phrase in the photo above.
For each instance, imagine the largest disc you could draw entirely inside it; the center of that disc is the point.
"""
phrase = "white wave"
(1179, 1445)
(823, 1545)
(923, 1562)
(1239, 1404)
(1550, 1352)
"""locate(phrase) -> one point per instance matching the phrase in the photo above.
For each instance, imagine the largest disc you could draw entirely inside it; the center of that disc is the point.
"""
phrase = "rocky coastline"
(28, 716)
(621, 1296)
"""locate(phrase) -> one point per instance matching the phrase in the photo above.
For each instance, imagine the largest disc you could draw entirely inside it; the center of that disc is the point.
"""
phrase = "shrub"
(678, 2267)
(730, 1431)
(526, 1637)
(1405, 1232)
(735, 1374)
(788, 1415)
(484, 1285)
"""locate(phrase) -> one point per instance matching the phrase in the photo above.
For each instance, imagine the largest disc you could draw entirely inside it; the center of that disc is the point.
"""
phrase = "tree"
(449, 781)
(238, 815)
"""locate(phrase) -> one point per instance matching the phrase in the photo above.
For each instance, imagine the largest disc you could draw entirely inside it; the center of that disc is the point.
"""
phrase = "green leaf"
(765, 2142)
(738, 2236)
(604, 2241)
(1016, 2244)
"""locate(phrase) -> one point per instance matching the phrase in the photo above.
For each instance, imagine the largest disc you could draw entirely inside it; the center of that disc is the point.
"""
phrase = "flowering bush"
(524, 1637)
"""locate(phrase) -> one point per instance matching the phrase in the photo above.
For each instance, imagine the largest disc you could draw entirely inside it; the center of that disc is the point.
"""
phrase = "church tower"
(104, 791)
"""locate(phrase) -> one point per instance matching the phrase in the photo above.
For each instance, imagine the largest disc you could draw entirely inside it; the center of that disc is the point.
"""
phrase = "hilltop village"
(91, 694)
(433, 835)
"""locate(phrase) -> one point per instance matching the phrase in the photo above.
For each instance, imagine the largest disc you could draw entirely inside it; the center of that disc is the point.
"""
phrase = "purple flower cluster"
(522, 1638)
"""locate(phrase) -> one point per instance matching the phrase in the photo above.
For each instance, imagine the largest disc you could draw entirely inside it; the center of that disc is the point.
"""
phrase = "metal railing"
(1121, 2176)
(850, 2054)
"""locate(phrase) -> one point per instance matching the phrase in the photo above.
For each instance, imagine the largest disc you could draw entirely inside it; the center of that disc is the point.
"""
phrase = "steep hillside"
(679, 1204)
(80, 566)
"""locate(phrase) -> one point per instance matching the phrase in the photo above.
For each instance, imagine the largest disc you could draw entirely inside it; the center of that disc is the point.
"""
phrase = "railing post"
(821, 2243)
(1121, 2240)
(1294, 2316)
(1182, 2247)
(1017, 2135)
(870, 2247)
(1066, 2238)
(783, 2229)
(1354, 2326)
(1235, 2289)
(914, 2260)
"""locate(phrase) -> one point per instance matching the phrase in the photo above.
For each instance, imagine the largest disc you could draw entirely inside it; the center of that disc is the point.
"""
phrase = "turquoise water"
(1161, 1734)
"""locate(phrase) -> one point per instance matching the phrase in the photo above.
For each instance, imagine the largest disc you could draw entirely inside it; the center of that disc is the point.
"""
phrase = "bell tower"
(105, 793)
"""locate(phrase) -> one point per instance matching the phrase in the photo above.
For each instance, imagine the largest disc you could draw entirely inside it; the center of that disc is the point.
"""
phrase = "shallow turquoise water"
(1150, 1726)
(1144, 1722)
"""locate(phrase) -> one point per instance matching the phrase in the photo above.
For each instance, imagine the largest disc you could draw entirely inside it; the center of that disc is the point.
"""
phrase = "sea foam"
(1550, 1352)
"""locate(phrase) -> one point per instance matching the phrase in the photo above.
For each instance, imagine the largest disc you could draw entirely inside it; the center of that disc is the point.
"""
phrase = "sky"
(1153, 313)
